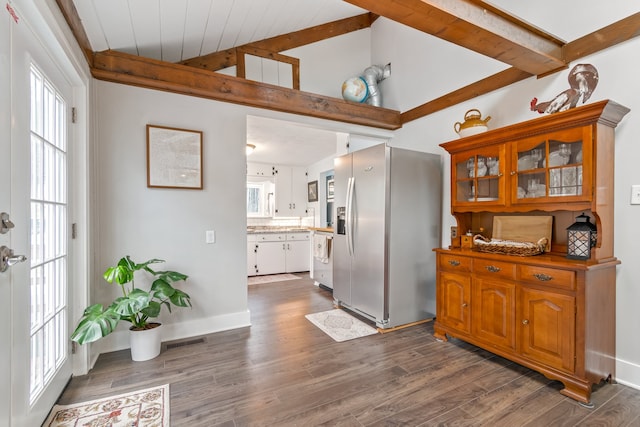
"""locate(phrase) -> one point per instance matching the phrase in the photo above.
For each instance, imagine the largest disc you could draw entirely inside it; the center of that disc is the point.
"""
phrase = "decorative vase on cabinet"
(549, 313)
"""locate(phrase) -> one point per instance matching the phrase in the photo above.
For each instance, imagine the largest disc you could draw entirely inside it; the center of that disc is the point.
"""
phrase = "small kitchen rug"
(254, 280)
(143, 408)
(340, 325)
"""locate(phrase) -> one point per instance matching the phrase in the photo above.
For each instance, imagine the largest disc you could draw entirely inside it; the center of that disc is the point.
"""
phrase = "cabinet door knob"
(464, 304)
(513, 173)
(542, 277)
(525, 321)
(454, 262)
(492, 268)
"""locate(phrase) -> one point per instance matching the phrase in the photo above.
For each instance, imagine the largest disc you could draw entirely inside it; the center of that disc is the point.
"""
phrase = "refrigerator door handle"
(349, 215)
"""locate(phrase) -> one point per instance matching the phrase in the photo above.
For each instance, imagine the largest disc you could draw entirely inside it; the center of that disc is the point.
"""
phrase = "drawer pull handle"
(542, 277)
(454, 262)
(525, 322)
(492, 268)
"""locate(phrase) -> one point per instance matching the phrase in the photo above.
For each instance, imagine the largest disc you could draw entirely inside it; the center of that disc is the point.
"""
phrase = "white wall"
(618, 81)
(170, 224)
(326, 64)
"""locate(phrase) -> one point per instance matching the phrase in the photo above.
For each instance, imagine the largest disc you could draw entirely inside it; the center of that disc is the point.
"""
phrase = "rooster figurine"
(583, 79)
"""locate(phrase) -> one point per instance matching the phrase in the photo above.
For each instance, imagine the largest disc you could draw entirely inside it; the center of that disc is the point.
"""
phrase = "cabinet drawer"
(455, 263)
(271, 237)
(504, 270)
(298, 236)
(548, 276)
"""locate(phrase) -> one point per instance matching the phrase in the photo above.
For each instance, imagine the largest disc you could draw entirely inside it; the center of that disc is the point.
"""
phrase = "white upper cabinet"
(260, 169)
(291, 191)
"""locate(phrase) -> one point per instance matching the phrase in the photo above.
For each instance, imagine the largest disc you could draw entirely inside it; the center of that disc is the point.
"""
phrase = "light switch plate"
(635, 194)
(210, 236)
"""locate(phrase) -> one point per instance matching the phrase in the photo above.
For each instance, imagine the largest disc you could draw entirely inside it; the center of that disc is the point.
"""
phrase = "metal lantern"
(581, 237)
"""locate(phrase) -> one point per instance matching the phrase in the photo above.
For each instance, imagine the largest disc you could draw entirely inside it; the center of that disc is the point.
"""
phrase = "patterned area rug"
(340, 325)
(254, 280)
(143, 408)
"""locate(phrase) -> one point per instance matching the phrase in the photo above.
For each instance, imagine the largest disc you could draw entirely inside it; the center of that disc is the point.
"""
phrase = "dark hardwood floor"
(283, 371)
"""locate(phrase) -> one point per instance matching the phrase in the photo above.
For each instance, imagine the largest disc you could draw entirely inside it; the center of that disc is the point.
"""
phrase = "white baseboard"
(628, 373)
(119, 340)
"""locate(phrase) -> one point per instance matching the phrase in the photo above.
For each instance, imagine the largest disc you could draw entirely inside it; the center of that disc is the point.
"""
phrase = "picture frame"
(174, 158)
(330, 189)
(312, 191)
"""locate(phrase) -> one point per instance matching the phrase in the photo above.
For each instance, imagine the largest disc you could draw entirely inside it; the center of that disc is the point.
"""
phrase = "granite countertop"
(262, 229)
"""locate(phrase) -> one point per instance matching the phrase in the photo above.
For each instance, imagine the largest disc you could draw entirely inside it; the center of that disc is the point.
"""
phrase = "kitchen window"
(260, 199)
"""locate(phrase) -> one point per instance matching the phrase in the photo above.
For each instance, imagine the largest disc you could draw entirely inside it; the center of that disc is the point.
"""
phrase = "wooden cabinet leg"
(579, 392)
(439, 334)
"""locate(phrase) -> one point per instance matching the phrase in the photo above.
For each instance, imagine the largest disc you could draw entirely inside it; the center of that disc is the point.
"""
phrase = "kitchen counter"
(276, 229)
(322, 229)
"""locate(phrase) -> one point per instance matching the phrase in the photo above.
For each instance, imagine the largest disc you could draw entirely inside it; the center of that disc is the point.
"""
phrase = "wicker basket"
(509, 247)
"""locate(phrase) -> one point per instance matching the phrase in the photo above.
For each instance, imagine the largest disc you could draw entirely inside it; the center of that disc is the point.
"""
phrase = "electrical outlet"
(454, 232)
(210, 236)
(635, 194)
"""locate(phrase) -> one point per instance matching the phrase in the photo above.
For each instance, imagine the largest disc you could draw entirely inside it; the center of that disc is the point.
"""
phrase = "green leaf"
(145, 265)
(120, 274)
(153, 310)
(171, 276)
(181, 299)
(161, 289)
(95, 324)
(134, 302)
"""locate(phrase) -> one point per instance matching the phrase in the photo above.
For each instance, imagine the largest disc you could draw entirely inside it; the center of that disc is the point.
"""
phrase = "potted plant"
(135, 306)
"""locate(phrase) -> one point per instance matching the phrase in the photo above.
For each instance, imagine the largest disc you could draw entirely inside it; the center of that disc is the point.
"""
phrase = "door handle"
(7, 258)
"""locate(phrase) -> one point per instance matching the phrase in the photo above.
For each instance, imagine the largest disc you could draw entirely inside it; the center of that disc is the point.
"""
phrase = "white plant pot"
(145, 345)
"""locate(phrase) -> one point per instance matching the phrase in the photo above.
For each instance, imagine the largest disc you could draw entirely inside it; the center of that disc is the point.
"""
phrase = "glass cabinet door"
(548, 166)
(479, 176)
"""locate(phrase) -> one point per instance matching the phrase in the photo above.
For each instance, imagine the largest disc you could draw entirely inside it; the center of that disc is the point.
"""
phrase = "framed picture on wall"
(174, 158)
(330, 188)
(312, 191)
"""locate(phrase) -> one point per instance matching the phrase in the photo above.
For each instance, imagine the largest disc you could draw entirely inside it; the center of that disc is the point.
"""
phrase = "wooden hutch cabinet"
(546, 312)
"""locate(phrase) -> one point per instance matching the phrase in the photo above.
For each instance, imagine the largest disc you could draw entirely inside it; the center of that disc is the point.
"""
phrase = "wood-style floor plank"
(283, 371)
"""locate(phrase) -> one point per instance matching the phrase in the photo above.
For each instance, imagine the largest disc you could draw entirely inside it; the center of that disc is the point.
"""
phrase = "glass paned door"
(48, 233)
(550, 166)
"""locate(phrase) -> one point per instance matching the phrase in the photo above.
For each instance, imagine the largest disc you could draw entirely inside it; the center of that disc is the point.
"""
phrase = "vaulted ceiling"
(179, 45)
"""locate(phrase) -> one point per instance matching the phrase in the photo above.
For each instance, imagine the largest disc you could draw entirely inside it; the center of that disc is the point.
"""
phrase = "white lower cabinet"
(252, 250)
(298, 248)
(270, 253)
(271, 257)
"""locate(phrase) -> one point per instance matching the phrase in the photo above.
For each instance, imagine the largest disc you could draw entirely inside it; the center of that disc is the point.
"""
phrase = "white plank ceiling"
(175, 30)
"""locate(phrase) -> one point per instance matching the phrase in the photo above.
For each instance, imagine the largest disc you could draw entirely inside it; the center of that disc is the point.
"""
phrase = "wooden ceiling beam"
(70, 14)
(227, 58)
(618, 32)
(134, 70)
(147, 73)
(481, 87)
(606, 37)
(472, 26)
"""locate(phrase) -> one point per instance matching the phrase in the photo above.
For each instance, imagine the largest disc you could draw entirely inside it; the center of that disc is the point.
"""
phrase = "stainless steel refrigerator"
(388, 220)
